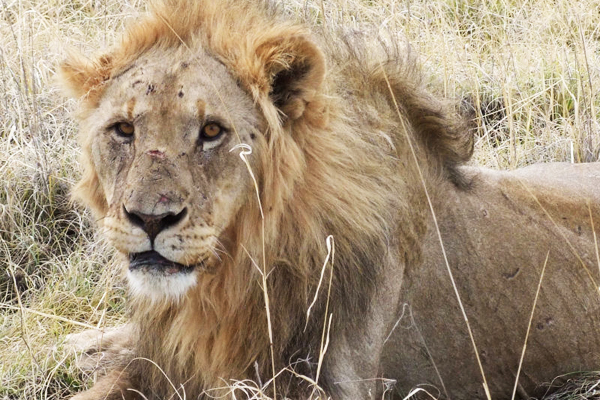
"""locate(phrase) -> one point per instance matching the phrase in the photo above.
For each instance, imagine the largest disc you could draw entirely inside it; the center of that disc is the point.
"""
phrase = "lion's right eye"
(124, 129)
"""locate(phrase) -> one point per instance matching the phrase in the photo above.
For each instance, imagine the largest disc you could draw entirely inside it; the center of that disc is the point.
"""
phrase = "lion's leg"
(99, 339)
(108, 354)
(354, 365)
(102, 351)
(350, 374)
(113, 386)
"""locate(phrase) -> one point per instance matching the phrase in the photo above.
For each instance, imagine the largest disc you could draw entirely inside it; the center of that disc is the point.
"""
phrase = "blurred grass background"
(528, 70)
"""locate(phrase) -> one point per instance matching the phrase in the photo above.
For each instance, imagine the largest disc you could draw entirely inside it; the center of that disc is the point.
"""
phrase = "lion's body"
(333, 153)
(497, 237)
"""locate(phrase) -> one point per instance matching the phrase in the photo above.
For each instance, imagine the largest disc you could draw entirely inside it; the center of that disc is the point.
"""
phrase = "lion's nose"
(154, 224)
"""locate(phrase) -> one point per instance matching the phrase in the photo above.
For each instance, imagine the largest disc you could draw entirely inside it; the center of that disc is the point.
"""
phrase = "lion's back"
(499, 234)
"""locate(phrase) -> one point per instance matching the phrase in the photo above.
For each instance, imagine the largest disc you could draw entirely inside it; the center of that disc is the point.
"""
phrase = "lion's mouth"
(152, 261)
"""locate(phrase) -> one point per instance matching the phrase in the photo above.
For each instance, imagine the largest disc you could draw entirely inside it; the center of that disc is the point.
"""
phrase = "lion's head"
(167, 135)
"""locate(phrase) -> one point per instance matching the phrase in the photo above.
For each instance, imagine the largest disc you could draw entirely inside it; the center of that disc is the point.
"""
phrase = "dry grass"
(529, 70)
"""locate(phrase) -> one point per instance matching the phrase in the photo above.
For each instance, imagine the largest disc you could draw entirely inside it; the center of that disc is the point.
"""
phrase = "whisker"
(220, 247)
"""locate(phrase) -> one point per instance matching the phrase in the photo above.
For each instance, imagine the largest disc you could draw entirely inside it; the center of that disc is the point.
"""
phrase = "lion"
(223, 145)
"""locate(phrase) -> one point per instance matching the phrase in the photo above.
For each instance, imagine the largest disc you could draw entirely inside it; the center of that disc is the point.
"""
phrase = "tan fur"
(335, 124)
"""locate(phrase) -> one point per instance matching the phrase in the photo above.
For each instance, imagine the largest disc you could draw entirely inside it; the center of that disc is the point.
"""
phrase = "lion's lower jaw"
(157, 287)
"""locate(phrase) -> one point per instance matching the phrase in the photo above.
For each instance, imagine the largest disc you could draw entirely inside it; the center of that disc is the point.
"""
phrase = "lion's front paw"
(102, 350)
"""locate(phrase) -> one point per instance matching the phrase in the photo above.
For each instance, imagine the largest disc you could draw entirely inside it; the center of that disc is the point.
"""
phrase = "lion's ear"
(81, 76)
(295, 69)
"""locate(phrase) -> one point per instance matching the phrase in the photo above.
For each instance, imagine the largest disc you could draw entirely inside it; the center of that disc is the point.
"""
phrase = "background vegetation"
(530, 71)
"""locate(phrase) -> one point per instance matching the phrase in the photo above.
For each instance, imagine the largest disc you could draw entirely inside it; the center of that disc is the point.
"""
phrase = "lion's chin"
(154, 278)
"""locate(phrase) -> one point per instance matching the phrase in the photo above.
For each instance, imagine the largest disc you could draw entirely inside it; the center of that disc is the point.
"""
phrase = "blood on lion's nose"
(156, 154)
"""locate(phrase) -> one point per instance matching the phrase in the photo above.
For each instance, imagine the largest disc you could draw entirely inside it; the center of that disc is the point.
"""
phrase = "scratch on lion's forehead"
(130, 108)
(201, 108)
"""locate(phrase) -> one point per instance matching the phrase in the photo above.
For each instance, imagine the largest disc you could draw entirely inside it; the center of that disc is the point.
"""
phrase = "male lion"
(222, 145)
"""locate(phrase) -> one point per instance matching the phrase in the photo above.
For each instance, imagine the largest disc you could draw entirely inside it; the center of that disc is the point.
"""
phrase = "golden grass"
(528, 70)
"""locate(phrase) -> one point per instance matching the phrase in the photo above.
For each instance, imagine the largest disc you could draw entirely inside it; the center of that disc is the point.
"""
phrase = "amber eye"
(124, 129)
(211, 131)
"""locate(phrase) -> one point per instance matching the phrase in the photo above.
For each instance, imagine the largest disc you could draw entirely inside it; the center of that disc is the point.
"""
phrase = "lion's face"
(161, 144)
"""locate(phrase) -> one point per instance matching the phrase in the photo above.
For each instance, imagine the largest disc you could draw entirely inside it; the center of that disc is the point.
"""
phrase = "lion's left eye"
(211, 131)
(124, 129)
